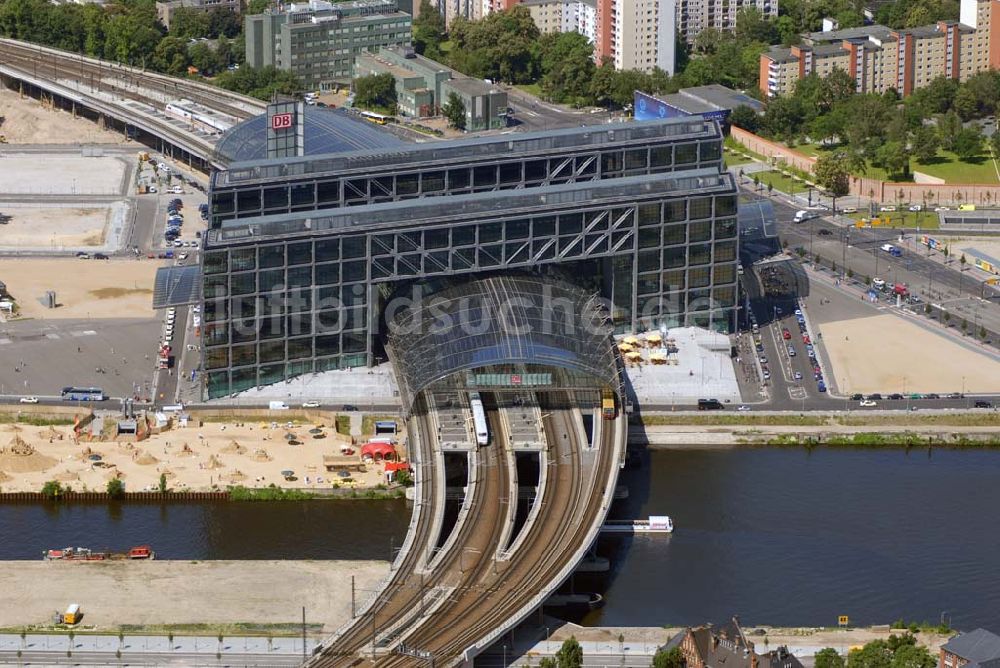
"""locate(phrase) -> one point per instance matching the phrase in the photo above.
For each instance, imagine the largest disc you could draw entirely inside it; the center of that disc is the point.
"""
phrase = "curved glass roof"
(326, 131)
(504, 319)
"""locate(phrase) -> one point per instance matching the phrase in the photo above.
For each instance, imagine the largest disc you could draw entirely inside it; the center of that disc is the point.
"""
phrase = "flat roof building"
(423, 87)
(306, 257)
(165, 9)
(711, 102)
(318, 41)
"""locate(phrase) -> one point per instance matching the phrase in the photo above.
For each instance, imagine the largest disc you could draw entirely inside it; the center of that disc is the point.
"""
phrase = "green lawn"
(925, 220)
(946, 166)
(952, 170)
(781, 182)
(733, 159)
(533, 89)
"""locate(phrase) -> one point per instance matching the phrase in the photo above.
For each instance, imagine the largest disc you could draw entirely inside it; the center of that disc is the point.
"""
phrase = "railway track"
(142, 86)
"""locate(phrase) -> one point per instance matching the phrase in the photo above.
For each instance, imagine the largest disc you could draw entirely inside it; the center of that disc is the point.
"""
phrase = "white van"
(802, 216)
(174, 408)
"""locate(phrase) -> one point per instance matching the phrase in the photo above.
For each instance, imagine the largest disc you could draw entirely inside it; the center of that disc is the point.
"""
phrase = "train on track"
(199, 116)
(479, 419)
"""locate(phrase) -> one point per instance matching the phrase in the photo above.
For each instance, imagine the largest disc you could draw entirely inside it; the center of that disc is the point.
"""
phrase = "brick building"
(975, 649)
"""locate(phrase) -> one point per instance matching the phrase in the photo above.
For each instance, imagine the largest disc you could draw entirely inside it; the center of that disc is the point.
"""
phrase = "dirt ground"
(84, 288)
(193, 458)
(77, 175)
(36, 227)
(27, 121)
(885, 353)
(185, 592)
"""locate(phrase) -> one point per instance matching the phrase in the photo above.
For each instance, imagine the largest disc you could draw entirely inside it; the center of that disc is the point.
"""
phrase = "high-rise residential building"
(565, 16)
(636, 34)
(694, 16)
(881, 59)
(318, 41)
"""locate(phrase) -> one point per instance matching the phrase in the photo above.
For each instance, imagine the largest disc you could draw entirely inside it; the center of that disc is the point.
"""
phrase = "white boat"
(655, 524)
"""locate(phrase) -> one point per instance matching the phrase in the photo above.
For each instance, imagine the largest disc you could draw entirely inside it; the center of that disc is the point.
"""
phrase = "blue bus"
(83, 394)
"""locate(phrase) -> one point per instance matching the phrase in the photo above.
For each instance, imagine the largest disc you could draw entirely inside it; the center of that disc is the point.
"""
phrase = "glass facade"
(293, 294)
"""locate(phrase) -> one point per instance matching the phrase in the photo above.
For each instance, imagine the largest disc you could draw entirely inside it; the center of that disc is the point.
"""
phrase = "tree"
(204, 58)
(567, 60)
(188, 23)
(163, 483)
(828, 658)
(171, 56)
(570, 655)
(832, 171)
(454, 111)
(52, 490)
(924, 144)
(257, 6)
(671, 658)
(428, 30)
(893, 158)
(745, 117)
(261, 83)
(116, 488)
(875, 654)
(948, 125)
(911, 656)
(170, 640)
(376, 91)
(968, 143)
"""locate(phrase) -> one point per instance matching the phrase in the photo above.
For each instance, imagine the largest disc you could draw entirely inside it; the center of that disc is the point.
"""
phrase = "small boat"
(582, 602)
(655, 524)
(86, 554)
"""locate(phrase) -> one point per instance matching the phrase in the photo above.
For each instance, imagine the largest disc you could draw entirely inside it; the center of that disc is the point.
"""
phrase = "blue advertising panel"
(648, 108)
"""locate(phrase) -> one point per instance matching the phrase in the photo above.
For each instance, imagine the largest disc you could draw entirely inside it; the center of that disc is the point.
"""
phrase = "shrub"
(52, 490)
(116, 488)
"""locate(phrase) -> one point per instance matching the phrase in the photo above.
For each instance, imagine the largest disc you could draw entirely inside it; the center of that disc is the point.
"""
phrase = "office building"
(423, 86)
(305, 255)
(318, 41)
(712, 103)
(165, 9)
(881, 59)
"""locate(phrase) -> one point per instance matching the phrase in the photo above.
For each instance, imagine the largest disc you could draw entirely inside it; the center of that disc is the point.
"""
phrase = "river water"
(783, 536)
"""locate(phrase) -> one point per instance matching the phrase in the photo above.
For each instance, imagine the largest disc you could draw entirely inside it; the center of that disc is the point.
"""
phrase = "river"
(783, 536)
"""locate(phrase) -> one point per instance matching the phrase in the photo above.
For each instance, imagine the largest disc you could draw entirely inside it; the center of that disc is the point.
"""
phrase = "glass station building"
(305, 256)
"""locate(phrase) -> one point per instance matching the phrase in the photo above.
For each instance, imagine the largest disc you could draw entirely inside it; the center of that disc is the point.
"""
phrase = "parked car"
(932, 395)
(895, 396)
(983, 404)
(82, 255)
(310, 404)
(916, 207)
(824, 232)
(742, 408)
(868, 403)
(887, 209)
(28, 400)
(797, 375)
(348, 408)
(875, 397)
(101, 256)
(821, 386)
(857, 397)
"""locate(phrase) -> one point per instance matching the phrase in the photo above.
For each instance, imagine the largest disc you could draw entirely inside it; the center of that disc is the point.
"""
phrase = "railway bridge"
(538, 351)
(130, 98)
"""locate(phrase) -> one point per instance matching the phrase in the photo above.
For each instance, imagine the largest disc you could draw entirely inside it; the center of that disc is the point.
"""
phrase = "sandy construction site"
(885, 353)
(84, 288)
(41, 227)
(60, 174)
(115, 593)
(210, 456)
(29, 121)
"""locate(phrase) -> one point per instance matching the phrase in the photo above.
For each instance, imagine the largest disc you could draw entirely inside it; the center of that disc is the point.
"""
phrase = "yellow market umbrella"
(631, 340)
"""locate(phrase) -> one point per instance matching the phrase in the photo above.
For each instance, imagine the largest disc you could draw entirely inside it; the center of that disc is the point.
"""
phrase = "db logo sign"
(281, 121)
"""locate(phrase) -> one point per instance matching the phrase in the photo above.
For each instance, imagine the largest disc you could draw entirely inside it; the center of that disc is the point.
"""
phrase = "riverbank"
(185, 596)
(734, 435)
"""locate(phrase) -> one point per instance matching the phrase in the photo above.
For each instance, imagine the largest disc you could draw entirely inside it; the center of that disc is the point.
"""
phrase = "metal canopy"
(177, 286)
(501, 320)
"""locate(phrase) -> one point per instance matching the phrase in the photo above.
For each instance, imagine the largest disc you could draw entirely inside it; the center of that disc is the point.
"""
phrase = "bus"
(83, 394)
(608, 404)
(377, 119)
(479, 419)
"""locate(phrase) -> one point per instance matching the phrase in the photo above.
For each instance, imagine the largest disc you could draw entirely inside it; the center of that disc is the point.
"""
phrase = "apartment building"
(636, 34)
(881, 59)
(694, 16)
(319, 41)
(165, 10)
(578, 16)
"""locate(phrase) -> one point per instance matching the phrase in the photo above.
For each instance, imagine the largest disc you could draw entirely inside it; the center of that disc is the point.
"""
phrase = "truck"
(72, 614)
(277, 406)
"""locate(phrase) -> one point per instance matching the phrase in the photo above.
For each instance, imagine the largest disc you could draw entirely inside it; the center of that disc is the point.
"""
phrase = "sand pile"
(146, 459)
(237, 476)
(54, 434)
(186, 451)
(20, 457)
(66, 476)
(4, 477)
(168, 474)
(234, 448)
(115, 474)
(261, 456)
(214, 463)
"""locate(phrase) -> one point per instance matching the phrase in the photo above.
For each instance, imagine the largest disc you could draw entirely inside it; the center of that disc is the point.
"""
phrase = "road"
(532, 113)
